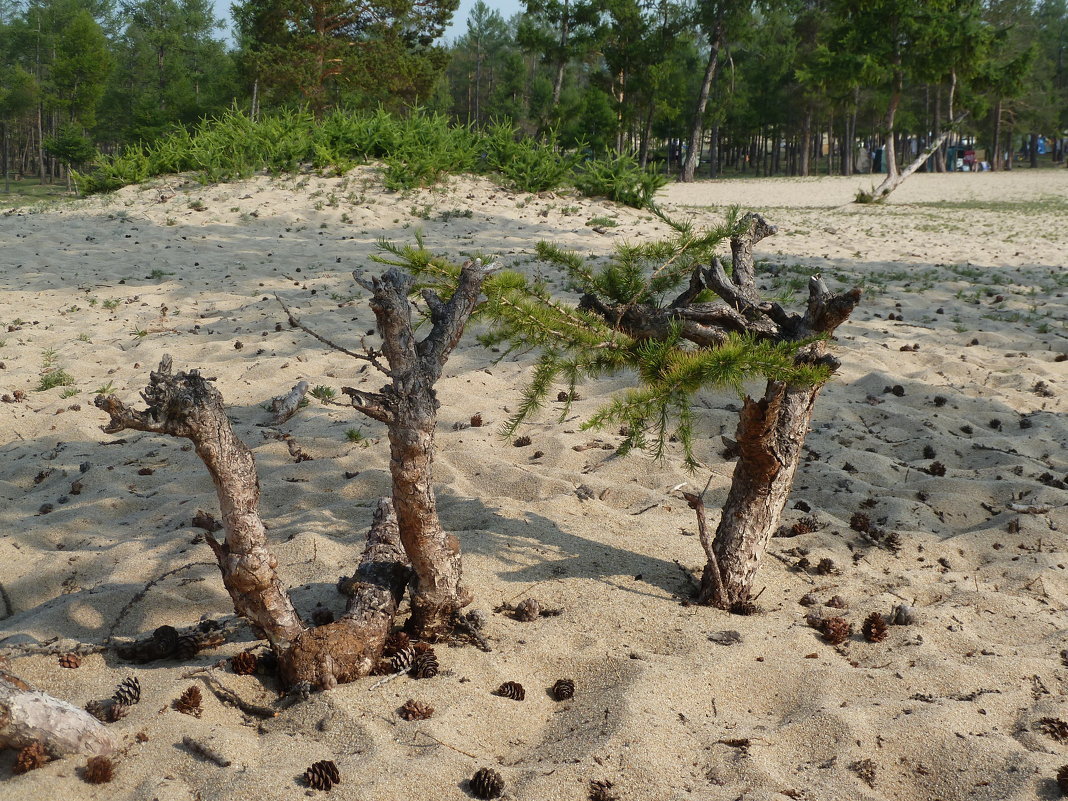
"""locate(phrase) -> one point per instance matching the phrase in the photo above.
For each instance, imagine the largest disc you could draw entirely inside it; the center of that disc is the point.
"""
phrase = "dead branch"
(369, 355)
(186, 405)
(285, 406)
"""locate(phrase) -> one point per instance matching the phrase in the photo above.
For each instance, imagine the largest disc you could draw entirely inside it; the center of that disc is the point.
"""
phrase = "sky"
(459, 20)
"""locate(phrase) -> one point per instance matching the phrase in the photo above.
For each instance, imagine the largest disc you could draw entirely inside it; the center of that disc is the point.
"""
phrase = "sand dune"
(972, 268)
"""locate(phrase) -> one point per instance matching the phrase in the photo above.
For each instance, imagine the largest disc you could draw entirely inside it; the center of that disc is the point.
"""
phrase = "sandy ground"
(968, 271)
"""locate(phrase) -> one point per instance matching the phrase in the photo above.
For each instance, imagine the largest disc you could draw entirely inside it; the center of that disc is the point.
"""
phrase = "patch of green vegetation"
(69, 392)
(323, 393)
(105, 389)
(602, 222)
(54, 377)
(111, 303)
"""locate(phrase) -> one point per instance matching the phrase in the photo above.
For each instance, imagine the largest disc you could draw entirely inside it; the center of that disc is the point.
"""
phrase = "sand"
(972, 269)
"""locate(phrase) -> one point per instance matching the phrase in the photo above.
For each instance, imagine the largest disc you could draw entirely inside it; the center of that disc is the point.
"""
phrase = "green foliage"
(526, 164)
(71, 146)
(54, 377)
(323, 393)
(619, 177)
(575, 342)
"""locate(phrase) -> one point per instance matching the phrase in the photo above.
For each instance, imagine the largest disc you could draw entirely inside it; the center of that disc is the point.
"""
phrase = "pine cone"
(30, 758)
(128, 692)
(403, 659)
(395, 642)
(513, 690)
(1062, 779)
(244, 663)
(476, 421)
(874, 627)
(98, 770)
(322, 775)
(115, 711)
(188, 703)
(414, 710)
(98, 709)
(836, 630)
(487, 783)
(827, 567)
(837, 602)
(601, 790)
(528, 610)
(563, 689)
(187, 647)
(425, 665)
(70, 661)
(860, 522)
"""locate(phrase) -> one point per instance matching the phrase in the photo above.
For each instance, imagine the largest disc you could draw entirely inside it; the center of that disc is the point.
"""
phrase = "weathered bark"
(771, 431)
(186, 405)
(350, 647)
(408, 406)
(28, 716)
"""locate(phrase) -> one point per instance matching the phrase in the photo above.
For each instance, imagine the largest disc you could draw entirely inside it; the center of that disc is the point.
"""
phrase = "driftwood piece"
(187, 405)
(285, 406)
(28, 716)
(408, 406)
(350, 647)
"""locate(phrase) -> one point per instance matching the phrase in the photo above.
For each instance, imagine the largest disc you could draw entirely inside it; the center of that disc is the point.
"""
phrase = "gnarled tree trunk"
(409, 408)
(187, 405)
(771, 430)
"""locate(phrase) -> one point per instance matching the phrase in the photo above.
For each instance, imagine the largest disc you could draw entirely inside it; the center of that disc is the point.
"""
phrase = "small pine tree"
(714, 333)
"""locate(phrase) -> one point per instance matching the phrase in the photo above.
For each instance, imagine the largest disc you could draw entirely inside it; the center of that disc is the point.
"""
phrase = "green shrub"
(528, 165)
(618, 177)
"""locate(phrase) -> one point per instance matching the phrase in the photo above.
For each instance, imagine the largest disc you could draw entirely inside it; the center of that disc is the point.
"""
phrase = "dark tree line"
(777, 87)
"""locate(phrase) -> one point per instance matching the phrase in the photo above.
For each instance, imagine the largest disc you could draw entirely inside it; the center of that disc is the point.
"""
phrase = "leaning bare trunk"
(890, 184)
(409, 408)
(186, 405)
(771, 433)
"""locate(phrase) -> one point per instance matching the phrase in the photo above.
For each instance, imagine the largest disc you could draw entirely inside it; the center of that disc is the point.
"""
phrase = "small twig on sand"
(687, 574)
(439, 742)
(387, 679)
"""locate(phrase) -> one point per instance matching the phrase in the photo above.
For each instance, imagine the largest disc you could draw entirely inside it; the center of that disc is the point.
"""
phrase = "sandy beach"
(955, 356)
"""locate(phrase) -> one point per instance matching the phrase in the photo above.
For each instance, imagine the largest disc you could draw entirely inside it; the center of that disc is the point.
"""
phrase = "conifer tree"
(652, 310)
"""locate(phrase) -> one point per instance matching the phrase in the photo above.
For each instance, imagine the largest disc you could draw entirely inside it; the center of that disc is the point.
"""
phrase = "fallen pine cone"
(128, 692)
(188, 703)
(396, 642)
(245, 663)
(836, 630)
(414, 710)
(1062, 779)
(30, 758)
(98, 770)
(487, 783)
(513, 690)
(528, 610)
(425, 665)
(601, 790)
(874, 627)
(70, 661)
(322, 775)
(187, 647)
(563, 689)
